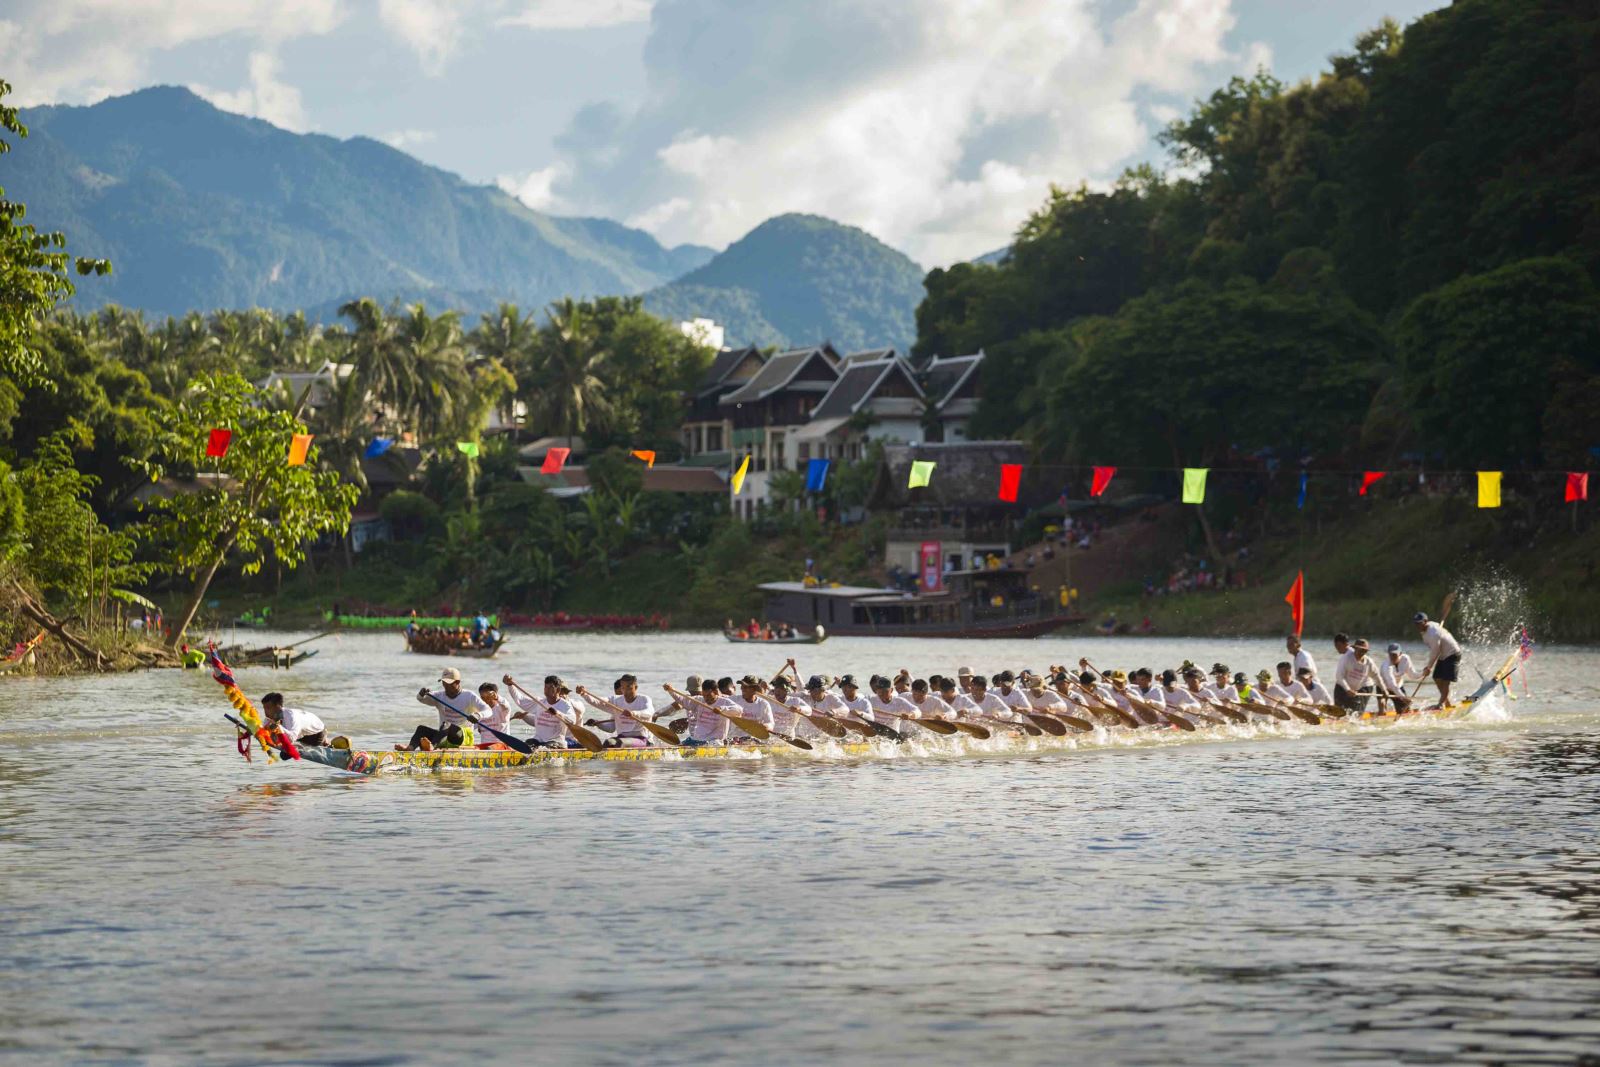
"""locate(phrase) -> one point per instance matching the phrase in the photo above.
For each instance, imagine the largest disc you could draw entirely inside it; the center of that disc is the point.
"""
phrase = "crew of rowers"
(714, 711)
(720, 710)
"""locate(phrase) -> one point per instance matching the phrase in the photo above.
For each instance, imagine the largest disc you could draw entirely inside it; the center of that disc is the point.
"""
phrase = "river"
(1414, 892)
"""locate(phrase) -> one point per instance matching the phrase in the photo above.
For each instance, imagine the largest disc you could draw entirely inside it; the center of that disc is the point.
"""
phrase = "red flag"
(217, 444)
(554, 460)
(1102, 478)
(1010, 478)
(1577, 486)
(1369, 478)
(1297, 602)
(645, 454)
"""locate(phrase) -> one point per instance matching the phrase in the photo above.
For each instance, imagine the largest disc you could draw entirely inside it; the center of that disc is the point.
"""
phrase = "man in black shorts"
(1444, 655)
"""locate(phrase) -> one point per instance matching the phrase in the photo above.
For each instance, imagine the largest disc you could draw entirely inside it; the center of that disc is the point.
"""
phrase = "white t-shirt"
(1154, 695)
(706, 725)
(1319, 692)
(887, 711)
(786, 720)
(1225, 694)
(995, 705)
(933, 707)
(464, 700)
(1396, 675)
(1441, 643)
(1016, 700)
(1303, 659)
(758, 709)
(297, 723)
(621, 725)
(1356, 674)
(550, 721)
(1181, 698)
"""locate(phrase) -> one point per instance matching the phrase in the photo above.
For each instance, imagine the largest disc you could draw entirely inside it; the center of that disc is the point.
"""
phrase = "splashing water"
(1493, 609)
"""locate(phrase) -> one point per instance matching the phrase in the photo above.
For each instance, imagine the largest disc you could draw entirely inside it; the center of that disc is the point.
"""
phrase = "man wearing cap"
(888, 706)
(454, 704)
(1395, 671)
(788, 709)
(1444, 655)
(1015, 700)
(854, 701)
(1356, 678)
(1221, 690)
(964, 680)
(550, 717)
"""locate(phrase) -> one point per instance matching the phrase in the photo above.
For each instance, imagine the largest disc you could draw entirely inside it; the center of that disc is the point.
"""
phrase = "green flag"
(468, 448)
(921, 472)
(1194, 484)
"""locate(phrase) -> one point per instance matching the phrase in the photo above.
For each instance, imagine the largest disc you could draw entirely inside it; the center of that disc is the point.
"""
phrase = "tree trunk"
(201, 585)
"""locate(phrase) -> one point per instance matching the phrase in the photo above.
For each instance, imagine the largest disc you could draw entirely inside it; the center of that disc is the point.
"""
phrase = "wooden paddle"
(584, 737)
(508, 740)
(655, 728)
(828, 724)
(1009, 724)
(938, 726)
(1121, 714)
(1180, 721)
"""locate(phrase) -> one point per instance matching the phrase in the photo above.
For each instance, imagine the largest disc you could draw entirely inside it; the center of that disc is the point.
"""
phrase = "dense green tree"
(569, 387)
(1477, 355)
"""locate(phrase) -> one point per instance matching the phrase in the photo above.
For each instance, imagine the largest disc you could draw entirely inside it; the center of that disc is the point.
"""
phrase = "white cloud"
(535, 188)
(403, 139)
(81, 51)
(579, 14)
(432, 29)
(1257, 56)
(936, 127)
(265, 97)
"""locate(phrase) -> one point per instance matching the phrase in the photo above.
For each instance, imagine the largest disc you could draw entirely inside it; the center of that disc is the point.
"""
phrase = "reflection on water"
(1415, 893)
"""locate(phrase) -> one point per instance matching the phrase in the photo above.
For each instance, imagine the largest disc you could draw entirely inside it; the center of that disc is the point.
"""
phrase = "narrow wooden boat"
(815, 637)
(358, 761)
(468, 653)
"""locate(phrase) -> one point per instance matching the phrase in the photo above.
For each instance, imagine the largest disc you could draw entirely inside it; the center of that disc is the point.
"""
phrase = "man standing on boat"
(1444, 655)
(1302, 658)
(1395, 671)
(302, 727)
(1356, 678)
(454, 730)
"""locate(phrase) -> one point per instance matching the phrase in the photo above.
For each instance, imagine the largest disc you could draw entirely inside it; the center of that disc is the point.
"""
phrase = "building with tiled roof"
(777, 400)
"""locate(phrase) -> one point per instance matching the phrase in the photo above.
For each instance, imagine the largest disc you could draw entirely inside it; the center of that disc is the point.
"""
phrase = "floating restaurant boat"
(974, 603)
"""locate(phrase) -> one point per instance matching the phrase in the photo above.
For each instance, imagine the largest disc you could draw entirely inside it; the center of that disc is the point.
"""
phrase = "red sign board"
(932, 566)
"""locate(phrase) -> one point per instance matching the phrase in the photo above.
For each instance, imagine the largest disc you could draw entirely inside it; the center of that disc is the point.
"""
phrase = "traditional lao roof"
(726, 362)
(859, 382)
(781, 370)
(944, 378)
(870, 355)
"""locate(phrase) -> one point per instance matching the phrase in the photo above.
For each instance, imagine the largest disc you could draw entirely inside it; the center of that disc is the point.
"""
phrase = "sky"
(936, 125)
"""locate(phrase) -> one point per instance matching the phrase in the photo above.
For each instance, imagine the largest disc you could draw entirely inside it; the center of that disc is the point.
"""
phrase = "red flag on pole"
(554, 460)
(1102, 479)
(1577, 486)
(1297, 602)
(1369, 478)
(217, 444)
(1010, 479)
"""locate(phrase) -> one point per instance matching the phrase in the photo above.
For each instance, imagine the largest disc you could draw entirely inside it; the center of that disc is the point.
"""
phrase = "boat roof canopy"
(822, 590)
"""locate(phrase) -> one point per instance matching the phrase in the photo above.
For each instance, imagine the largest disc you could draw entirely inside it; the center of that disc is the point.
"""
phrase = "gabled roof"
(945, 377)
(779, 371)
(870, 355)
(858, 383)
(725, 363)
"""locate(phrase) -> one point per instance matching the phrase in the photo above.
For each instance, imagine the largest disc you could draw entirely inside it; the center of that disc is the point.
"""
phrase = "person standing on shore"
(1444, 655)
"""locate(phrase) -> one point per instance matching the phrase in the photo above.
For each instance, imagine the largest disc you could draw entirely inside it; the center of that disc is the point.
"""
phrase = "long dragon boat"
(371, 762)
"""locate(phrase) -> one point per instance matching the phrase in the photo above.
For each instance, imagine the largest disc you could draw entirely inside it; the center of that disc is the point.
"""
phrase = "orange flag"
(645, 454)
(298, 446)
(1297, 602)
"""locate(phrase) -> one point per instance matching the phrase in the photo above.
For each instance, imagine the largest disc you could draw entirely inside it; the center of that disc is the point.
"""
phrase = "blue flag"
(1301, 503)
(816, 475)
(378, 447)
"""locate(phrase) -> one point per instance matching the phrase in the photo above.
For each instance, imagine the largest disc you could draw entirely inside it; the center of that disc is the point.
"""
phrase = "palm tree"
(436, 351)
(568, 388)
(387, 376)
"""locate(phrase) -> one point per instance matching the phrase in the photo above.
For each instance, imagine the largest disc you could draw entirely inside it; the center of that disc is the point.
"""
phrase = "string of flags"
(1490, 483)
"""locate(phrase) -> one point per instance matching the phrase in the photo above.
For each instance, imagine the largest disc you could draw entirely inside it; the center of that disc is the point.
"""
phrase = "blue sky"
(935, 125)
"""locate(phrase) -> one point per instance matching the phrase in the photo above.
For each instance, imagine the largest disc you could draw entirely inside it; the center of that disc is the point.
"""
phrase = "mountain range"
(199, 208)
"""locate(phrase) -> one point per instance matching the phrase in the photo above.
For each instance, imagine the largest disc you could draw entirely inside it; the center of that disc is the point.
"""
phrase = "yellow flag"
(921, 473)
(738, 475)
(298, 446)
(1194, 484)
(1488, 489)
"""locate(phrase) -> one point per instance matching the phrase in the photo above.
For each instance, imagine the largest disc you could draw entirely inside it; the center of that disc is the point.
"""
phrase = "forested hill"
(199, 208)
(800, 279)
(1396, 261)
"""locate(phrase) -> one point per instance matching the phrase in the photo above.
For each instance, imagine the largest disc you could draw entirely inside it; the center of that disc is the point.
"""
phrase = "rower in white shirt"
(1146, 689)
(1356, 678)
(302, 727)
(823, 702)
(750, 704)
(889, 707)
(498, 717)
(1319, 692)
(1177, 696)
(855, 701)
(706, 727)
(1444, 655)
(625, 729)
(1221, 688)
(454, 704)
(1268, 691)
(1286, 683)
(788, 710)
(928, 704)
(1015, 700)
(550, 717)
(1396, 670)
(987, 701)
(1301, 657)
(960, 703)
